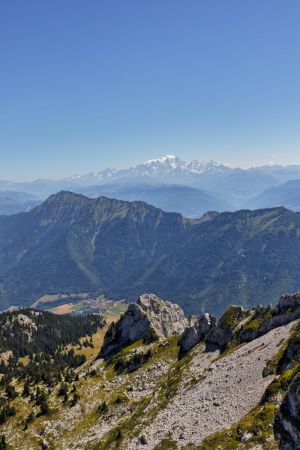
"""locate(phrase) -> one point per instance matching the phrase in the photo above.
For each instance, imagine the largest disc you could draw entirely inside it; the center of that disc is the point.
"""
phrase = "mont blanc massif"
(154, 307)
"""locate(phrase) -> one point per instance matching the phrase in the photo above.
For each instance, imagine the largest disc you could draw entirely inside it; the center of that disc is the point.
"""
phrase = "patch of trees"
(6, 412)
(43, 331)
(132, 362)
(41, 368)
(43, 338)
(2, 442)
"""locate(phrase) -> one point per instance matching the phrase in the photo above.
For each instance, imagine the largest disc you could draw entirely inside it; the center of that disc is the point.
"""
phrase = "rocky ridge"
(239, 325)
(199, 328)
(152, 318)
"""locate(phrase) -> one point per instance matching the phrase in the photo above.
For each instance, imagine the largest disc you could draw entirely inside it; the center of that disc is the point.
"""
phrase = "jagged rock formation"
(227, 325)
(150, 318)
(287, 423)
(266, 318)
(245, 325)
(200, 327)
(240, 324)
(167, 318)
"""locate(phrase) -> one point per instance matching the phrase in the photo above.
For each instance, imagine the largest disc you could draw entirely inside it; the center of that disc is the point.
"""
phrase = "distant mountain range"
(14, 202)
(188, 201)
(167, 169)
(72, 244)
(287, 194)
(168, 182)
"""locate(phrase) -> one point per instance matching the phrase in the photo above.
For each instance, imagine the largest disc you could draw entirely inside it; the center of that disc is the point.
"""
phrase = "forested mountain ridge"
(75, 244)
(243, 257)
(72, 244)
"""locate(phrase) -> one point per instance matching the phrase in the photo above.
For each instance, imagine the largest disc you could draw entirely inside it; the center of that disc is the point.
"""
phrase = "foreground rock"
(287, 423)
(149, 319)
(152, 318)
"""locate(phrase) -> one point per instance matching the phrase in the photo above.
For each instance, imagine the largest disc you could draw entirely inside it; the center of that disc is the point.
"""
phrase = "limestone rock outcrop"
(196, 332)
(228, 324)
(245, 325)
(166, 318)
(266, 318)
(149, 318)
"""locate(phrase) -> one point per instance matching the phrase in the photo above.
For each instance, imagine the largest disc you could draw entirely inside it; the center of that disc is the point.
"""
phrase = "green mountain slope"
(75, 244)
(244, 257)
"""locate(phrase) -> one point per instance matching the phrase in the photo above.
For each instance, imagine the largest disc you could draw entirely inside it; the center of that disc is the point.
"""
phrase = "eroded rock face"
(272, 316)
(166, 318)
(196, 332)
(288, 301)
(287, 310)
(245, 325)
(225, 328)
(240, 323)
(287, 423)
(149, 318)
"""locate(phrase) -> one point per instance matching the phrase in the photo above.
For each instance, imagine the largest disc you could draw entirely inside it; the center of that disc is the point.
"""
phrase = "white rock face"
(166, 318)
(198, 330)
(149, 317)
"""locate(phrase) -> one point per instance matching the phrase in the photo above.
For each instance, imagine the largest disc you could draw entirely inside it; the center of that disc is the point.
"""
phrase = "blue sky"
(91, 84)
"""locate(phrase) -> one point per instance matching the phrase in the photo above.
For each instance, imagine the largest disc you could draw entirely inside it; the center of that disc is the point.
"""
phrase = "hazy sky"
(91, 84)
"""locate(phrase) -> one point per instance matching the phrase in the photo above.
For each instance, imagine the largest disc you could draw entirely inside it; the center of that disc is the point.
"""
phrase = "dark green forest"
(43, 338)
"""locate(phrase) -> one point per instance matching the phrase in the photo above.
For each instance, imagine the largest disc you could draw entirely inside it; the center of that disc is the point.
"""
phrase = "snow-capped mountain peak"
(204, 166)
(167, 162)
(167, 168)
(171, 162)
(163, 160)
